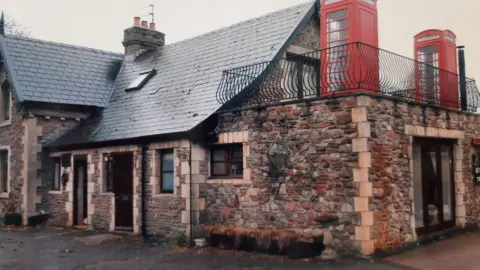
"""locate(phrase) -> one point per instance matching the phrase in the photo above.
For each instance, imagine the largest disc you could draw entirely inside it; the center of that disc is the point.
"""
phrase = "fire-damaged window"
(57, 173)
(227, 161)
(4, 171)
(167, 171)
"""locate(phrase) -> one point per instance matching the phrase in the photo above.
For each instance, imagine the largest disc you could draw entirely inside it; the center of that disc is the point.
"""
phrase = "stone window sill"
(55, 192)
(235, 181)
(6, 123)
(4, 195)
(164, 195)
(111, 194)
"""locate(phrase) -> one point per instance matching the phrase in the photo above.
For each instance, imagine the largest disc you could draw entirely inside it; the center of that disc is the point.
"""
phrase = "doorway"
(80, 212)
(434, 197)
(123, 190)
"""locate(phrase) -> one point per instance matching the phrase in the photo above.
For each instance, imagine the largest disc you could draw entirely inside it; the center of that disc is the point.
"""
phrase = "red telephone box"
(436, 70)
(346, 64)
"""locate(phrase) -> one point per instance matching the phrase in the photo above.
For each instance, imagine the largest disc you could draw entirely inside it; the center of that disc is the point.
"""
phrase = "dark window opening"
(57, 173)
(141, 80)
(227, 161)
(5, 102)
(109, 162)
(167, 171)
(4, 171)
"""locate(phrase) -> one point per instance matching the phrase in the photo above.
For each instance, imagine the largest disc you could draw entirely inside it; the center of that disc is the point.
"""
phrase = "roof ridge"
(309, 2)
(62, 44)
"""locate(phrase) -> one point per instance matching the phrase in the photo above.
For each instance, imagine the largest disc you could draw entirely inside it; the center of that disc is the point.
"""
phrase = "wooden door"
(123, 189)
(435, 201)
(80, 191)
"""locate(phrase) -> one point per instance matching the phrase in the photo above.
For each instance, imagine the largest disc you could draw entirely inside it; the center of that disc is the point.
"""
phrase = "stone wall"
(317, 184)
(309, 37)
(11, 135)
(164, 213)
(394, 125)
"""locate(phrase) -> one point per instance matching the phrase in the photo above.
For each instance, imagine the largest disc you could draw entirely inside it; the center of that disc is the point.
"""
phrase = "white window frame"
(9, 173)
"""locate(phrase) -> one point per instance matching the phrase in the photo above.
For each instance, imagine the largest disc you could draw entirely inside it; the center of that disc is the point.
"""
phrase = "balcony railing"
(348, 68)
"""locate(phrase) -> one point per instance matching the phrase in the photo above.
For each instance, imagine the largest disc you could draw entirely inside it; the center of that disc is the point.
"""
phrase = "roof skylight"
(141, 80)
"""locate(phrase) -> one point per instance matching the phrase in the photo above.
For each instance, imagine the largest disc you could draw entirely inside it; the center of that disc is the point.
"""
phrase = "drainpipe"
(142, 180)
(190, 195)
(463, 78)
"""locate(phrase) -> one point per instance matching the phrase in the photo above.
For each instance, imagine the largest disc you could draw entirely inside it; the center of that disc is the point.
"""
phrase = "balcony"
(350, 68)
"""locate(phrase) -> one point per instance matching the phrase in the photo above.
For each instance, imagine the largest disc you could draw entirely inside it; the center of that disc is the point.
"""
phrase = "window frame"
(5, 176)
(161, 154)
(108, 175)
(141, 80)
(55, 161)
(228, 148)
(5, 99)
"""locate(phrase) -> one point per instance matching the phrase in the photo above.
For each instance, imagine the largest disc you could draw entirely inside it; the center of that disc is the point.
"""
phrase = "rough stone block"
(362, 233)
(359, 115)
(367, 248)
(360, 175)
(459, 188)
(459, 177)
(366, 189)
(360, 145)
(361, 204)
(460, 211)
(365, 160)
(364, 101)
(366, 218)
(198, 153)
(364, 130)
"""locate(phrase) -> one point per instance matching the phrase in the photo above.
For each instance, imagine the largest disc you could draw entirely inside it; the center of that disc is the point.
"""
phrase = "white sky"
(100, 23)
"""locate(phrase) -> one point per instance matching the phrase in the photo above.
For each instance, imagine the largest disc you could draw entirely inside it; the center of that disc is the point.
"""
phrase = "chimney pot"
(144, 24)
(136, 21)
(152, 26)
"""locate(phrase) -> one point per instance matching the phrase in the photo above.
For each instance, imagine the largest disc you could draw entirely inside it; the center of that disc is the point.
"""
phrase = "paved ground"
(66, 249)
(460, 253)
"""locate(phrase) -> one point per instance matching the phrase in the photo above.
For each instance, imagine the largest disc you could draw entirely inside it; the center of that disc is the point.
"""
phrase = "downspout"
(142, 180)
(463, 78)
(190, 195)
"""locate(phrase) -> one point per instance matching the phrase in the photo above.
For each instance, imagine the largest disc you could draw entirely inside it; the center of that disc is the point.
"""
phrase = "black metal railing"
(350, 67)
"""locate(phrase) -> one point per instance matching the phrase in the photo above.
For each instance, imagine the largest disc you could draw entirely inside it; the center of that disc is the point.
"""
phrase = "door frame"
(131, 181)
(83, 160)
(442, 225)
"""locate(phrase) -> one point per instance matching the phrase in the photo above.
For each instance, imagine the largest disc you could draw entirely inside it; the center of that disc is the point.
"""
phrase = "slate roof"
(58, 73)
(183, 92)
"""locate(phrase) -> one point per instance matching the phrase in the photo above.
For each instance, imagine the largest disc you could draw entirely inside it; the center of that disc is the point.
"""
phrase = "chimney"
(141, 37)
(136, 21)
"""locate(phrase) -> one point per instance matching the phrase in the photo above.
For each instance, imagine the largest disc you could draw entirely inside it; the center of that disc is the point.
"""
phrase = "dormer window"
(141, 80)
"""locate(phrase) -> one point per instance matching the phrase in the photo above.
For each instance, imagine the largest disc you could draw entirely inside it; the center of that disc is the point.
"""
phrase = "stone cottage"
(249, 126)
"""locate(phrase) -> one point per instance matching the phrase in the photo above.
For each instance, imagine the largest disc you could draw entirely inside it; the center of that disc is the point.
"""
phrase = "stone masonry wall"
(11, 135)
(317, 184)
(392, 171)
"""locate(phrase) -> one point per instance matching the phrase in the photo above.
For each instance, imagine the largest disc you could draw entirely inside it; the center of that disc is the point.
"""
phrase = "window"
(5, 102)
(141, 80)
(429, 81)
(167, 175)
(108, 172)
(227, 161)
(57, 173)
(337, 50)
(4, 171)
